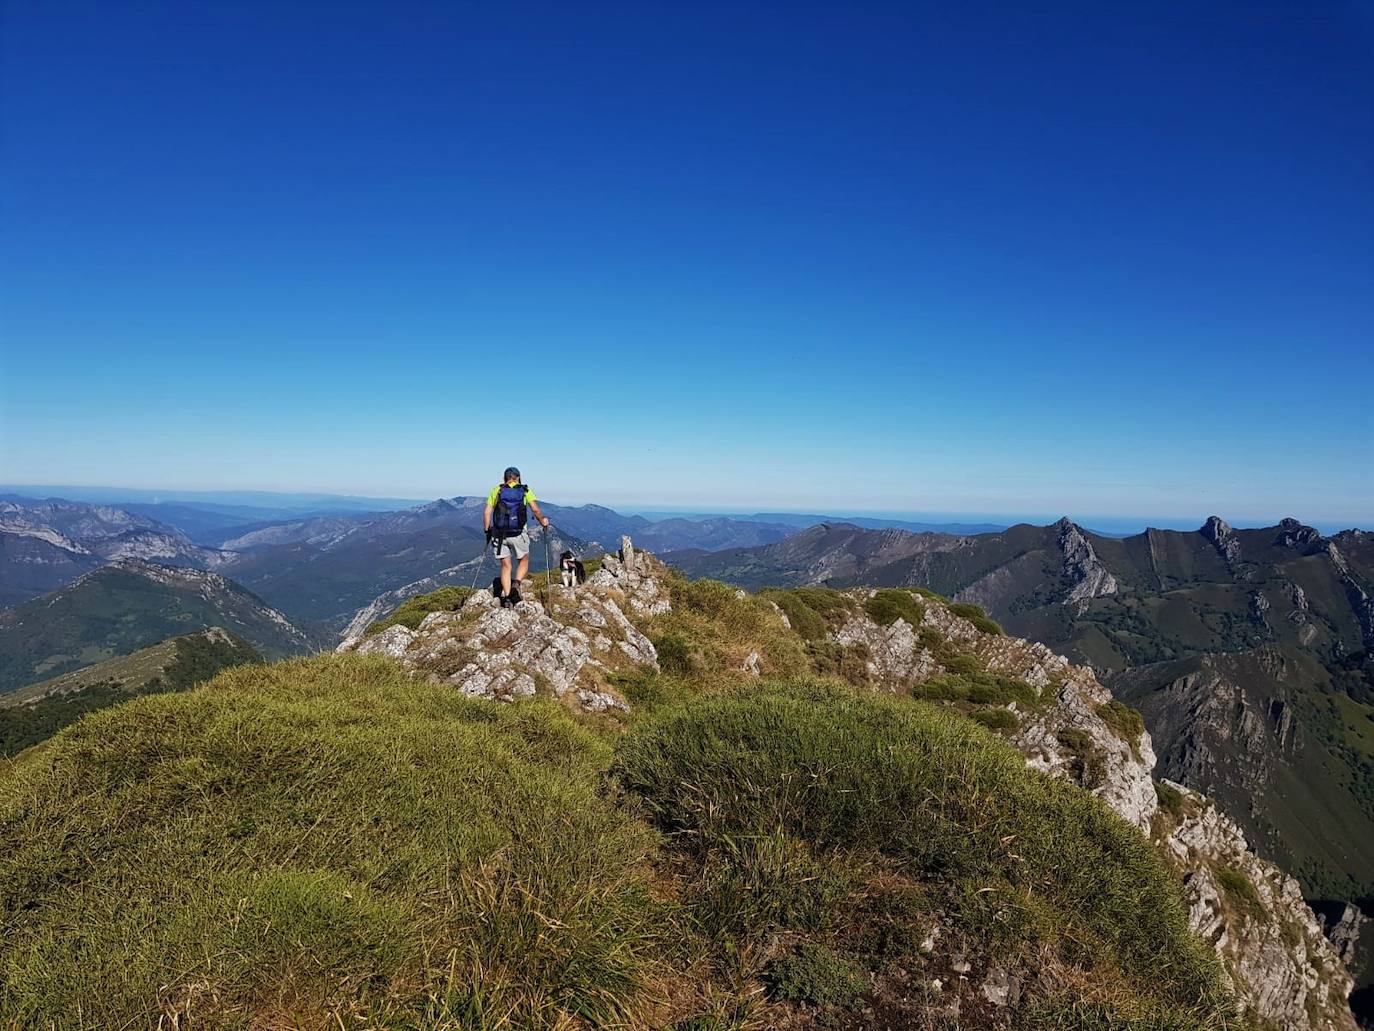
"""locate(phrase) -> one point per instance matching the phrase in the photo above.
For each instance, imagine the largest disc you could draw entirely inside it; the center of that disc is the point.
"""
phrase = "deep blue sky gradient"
(1095, 259)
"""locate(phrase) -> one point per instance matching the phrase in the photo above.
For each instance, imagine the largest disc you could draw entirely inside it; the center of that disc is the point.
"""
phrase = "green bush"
(848, 662)
(829, 602)
(975, 615)
(1170, 798)
(996, 719)
(412, 613)
(964, 664)
(676, 654)
(1239, 889)
(1125, 722)
(984, 689)
(816, 975)
(940, 797)
(321, 835)
(1088, 762)
(887, 606)
(809, 624)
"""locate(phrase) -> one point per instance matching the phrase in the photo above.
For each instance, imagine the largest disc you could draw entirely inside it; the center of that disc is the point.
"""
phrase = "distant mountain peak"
(1223, 538)
(1293, 534)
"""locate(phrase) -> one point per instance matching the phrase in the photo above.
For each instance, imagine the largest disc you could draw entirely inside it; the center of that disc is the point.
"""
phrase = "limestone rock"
(1223, 538)
(1000, 988)
(489, 652)
(1343, 931)
(1090, 578)
(1284, 968)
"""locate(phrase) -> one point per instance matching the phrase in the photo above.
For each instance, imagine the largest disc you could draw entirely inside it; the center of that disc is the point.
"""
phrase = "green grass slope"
(35, 713)
(328, 842)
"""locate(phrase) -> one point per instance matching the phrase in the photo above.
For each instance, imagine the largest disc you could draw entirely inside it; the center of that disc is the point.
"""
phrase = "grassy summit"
(331, 843)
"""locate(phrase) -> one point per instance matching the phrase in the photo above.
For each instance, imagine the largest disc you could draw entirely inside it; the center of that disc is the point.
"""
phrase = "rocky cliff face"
(1089, 577)
(1283, 967)
(1249, 730)
(1274, 947)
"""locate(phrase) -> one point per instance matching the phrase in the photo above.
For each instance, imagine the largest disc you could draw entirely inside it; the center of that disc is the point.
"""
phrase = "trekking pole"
(548, 566)
(481, 564)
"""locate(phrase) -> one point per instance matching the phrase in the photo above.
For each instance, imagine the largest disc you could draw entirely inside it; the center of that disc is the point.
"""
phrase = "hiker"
(503, 520)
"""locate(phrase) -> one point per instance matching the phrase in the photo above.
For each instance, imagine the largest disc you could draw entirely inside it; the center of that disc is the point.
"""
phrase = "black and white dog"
(572, 570)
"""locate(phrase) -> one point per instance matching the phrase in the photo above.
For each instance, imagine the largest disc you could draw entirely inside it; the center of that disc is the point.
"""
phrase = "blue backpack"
(510, 514)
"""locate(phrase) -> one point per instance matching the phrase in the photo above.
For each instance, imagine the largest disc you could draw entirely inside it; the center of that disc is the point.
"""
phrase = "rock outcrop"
(1223, 538)
(1284, 968)
(1344, 929)
(1083, 570)
(561, 647)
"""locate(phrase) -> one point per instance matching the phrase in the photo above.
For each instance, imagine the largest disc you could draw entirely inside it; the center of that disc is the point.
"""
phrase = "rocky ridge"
(1275, 950)
(561, 647)
(1284, 969)
(1273, 945)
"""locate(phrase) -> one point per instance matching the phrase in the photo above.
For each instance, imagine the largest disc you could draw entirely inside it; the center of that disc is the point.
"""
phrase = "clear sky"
(1065, 258)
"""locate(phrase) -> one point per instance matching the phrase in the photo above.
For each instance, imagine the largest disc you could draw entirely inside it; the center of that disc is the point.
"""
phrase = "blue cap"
(511, 472)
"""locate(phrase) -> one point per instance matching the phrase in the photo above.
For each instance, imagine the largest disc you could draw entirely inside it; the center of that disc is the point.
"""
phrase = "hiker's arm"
(534, 507)
(486, 518)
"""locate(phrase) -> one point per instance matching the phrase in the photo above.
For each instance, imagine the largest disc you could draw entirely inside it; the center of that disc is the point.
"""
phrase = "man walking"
(504, 522)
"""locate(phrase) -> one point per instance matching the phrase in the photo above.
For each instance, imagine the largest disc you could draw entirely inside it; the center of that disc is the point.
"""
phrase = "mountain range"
(128, 605)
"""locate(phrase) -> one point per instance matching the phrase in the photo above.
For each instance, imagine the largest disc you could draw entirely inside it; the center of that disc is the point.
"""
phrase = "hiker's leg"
(524, 568)
(505, 575)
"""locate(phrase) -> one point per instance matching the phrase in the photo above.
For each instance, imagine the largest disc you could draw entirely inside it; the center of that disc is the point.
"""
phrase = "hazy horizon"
(1114, 524)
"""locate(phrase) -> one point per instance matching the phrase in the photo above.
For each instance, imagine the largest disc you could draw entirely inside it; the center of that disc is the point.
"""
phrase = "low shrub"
(887, 606)
(816, 975)
(996, 719)
(809, 624)
(1240, 890)
(982, 689)
(1088, 764)
(975, 615)
(1125, 722)
(1170, 799)
(677, 654)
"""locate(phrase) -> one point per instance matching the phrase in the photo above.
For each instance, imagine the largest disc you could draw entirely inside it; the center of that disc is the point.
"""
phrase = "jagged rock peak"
(1082, 568)
(1223, 538)
(1293, 534)
(1343, 930)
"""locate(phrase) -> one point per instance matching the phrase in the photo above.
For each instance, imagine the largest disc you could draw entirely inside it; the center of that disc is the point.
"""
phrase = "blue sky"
(1094, 259)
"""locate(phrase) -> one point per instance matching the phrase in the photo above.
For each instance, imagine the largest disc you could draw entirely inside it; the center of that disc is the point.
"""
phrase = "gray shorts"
(517, 547)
